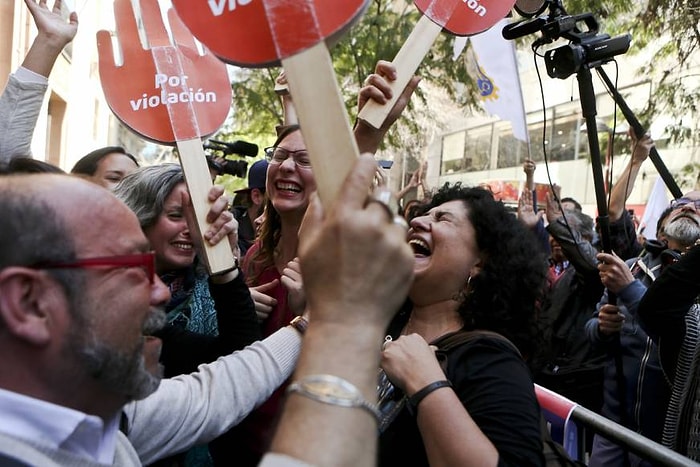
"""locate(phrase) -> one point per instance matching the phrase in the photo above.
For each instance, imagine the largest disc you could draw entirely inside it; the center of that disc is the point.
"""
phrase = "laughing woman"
(475, 270)
(208, 316)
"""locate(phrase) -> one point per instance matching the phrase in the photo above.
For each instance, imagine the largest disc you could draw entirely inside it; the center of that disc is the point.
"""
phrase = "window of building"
(453, 153)
(477, 149)
(511, 151)
(562, 135)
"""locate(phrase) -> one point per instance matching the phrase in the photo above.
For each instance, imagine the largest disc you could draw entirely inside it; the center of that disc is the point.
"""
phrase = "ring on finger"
(399, 220)
(385, 197)
(386, 342)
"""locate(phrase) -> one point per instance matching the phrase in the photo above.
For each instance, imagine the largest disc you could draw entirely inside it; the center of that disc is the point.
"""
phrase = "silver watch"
(333, 390)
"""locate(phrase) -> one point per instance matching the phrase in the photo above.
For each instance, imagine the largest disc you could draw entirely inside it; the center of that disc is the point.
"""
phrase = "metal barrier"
(559, 410)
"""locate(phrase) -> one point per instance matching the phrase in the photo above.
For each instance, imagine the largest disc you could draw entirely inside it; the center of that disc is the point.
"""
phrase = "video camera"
(587, 47)
(218, 150)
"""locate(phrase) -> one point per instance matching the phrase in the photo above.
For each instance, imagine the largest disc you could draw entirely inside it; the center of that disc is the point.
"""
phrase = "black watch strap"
(231, 269)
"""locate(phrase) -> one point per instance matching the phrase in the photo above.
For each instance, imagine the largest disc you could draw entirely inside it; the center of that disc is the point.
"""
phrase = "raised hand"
(341, 269)
(165, 92)
(526, 211)
(221, 220)
(50, 23)
(553, 211)
(640, 147)
(54, 32)
(377, 88)
(529, 167)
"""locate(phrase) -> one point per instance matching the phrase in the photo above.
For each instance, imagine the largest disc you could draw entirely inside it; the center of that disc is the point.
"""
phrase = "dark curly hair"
(503, 297)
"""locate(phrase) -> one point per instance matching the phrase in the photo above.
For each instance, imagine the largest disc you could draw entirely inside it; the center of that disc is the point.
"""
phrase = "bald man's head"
(48, 217)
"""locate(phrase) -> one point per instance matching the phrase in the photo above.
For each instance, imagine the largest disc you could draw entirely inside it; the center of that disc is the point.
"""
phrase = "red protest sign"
(258, 33)
(459, 17)
(168, 93)
(139, 93)
(265, 32)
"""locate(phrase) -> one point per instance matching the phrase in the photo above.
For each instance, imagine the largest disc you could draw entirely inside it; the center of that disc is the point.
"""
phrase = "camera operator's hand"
(610, 319)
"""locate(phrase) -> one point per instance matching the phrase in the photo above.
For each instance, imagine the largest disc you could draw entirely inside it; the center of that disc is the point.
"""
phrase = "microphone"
(523, 28)
(238, 147)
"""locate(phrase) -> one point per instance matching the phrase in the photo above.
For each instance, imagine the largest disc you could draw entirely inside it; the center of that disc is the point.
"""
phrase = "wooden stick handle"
(323, 118)
(406, 62)
(194, 165)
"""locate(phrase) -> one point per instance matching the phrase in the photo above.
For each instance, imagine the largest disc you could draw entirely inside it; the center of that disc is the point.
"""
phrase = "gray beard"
(118, 370)
(683, 230)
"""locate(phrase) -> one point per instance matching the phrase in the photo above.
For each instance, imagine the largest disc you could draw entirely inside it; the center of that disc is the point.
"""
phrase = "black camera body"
(235, 168)
(566, 60)
(218, 150)
(587, 47)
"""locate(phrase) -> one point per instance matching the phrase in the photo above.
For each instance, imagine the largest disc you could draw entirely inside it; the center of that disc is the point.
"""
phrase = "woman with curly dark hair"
(476, 270)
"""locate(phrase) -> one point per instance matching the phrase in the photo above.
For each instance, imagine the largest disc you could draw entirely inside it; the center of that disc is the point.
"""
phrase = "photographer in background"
(249, 203)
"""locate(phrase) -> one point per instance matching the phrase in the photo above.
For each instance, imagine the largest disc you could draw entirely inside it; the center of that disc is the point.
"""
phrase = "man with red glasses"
(80, 359)
(81, 348)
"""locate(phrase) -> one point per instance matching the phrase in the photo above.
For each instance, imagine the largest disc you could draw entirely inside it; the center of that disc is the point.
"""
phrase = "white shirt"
(28, 76)
(58, 427)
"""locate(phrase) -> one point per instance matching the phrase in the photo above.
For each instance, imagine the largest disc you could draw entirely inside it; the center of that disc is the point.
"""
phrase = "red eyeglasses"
(145, 261)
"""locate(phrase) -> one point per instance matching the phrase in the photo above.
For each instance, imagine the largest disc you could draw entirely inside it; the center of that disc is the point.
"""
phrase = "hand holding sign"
(460, 17)
(264, 32)
(168, 94)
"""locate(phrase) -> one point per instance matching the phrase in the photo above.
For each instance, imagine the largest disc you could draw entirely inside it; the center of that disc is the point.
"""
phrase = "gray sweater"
(186, 410)
(20, 105)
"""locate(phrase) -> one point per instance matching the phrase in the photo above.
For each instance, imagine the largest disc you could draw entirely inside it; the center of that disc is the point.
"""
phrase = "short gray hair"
(34, 232)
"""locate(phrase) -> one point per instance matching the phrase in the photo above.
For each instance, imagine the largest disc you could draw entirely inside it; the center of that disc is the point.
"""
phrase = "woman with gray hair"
(213, 314)
(208, 316)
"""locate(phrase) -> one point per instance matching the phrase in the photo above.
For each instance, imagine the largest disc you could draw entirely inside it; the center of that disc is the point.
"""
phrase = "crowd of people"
(347, 334)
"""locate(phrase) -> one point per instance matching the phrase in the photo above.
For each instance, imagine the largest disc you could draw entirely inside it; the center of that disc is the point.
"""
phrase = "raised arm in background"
(20, 102)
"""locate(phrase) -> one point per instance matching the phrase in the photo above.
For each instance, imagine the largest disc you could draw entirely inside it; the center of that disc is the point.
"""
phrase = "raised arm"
(579, 251)
(624, 185)
(23, 96)
(54, 34)
(376, 88)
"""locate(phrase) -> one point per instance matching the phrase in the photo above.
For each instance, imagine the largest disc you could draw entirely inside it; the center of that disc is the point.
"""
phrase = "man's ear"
(27, 302)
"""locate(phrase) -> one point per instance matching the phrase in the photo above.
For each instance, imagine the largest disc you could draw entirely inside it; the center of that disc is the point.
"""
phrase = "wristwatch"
(231, 269)
(333, 390)
(300, 324)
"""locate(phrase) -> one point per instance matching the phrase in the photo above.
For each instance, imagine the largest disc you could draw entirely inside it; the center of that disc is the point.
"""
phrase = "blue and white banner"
(494, 66)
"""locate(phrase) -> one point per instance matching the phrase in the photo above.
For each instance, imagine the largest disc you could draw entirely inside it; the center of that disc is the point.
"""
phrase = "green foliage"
(688, 178)
(387, 23)
(378, 35)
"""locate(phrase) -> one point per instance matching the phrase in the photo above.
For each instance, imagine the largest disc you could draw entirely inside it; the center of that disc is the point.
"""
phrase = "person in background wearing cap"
(252, 203)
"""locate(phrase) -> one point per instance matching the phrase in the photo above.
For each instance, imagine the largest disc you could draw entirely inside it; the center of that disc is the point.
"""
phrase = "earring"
(462, 294)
